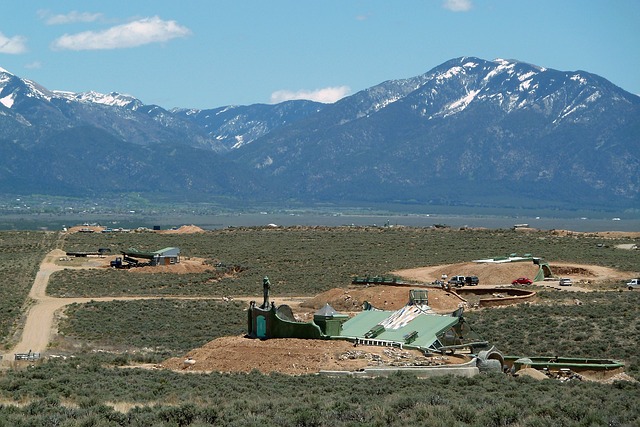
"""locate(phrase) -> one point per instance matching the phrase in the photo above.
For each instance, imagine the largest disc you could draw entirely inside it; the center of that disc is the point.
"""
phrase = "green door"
(261, 326)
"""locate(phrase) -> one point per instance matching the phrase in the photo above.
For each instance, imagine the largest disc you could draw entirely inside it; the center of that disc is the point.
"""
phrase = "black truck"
(460, 281)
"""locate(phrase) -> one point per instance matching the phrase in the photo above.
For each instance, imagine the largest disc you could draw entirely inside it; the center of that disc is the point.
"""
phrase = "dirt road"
(39, 327)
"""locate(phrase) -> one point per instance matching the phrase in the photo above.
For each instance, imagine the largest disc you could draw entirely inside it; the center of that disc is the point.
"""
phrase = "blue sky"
(212, 53)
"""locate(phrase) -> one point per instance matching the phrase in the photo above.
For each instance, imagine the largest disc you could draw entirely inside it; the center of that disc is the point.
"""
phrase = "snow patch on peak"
(2, 70)
(113, 99)
(525, 85)
(7, 101)
(451, 72)
(379, 106)
(462, 103)
(526, 76)
(503, 66)
(224, 110)
(578, 78)
(239, 142)
(4, 78)
(501, 61)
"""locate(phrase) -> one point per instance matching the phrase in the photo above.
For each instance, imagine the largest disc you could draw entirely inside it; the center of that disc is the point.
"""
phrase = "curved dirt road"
(39, 326)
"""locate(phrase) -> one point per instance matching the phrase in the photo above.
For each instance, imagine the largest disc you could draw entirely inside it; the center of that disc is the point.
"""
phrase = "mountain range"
(468, 133)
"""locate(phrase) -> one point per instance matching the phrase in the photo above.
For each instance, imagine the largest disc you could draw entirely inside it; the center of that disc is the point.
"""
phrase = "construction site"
(385, 325)
(372, 326)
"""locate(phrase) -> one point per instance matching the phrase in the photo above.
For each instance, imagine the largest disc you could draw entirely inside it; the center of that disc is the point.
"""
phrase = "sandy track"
(39, 326)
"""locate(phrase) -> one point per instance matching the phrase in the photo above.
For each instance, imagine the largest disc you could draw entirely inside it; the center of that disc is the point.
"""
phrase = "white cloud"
(13, 45)
(69, 18)
(136, 33)
(457, 5)
(326, 95)
(33, 65)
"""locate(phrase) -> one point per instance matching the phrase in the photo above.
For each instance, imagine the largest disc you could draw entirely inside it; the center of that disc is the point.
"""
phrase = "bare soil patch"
(603, 234)
(185, 266)
(190, 265)
(185, 229)
(383, 297)
(502, 274)
(296, 356)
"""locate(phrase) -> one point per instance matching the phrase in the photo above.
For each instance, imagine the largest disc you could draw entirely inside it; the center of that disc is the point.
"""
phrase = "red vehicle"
(522, 281)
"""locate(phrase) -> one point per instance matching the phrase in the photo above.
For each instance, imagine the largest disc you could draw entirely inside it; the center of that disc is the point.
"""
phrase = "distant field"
(309, 260)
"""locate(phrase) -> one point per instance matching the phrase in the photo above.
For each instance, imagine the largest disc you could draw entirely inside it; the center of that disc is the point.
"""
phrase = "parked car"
(633, 283)
(471, 280)
(565, 282)
(522, 281)
(457, 281)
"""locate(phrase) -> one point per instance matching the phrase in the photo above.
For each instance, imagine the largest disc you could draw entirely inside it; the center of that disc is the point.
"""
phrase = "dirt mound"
(532, 373)
(191, 265)
(504, 273)
(488, 273)
(383, 297)
(85, 229)
(570, 270)
(295, 356)
(603, 234)
(185, 229)
(588, 273)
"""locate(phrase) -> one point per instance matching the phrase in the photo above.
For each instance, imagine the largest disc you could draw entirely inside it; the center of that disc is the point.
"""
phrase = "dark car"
(471, 280)
(457, 281)
(522, 281)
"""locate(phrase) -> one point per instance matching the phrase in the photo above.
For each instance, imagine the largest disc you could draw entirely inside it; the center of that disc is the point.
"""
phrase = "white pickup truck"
(633, 283)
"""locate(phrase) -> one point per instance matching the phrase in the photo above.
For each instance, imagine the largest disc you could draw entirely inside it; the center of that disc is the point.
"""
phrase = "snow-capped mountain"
(235, 126)
(113, 99)
(129, 119)
(468, 132)
(13, 88)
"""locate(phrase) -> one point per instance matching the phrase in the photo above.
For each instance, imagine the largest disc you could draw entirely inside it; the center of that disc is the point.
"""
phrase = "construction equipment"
(126, 262)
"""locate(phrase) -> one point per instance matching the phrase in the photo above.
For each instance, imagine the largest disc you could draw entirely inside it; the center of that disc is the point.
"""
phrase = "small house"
(167, 256)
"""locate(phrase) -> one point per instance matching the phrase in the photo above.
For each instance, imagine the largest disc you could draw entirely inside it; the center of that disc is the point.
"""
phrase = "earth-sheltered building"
(413, 326)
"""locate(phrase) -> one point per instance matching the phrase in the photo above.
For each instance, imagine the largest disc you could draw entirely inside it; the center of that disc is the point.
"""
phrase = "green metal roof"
(148, 255)
(169, 249)
(427, 325)
(139, 254)
(361, 323)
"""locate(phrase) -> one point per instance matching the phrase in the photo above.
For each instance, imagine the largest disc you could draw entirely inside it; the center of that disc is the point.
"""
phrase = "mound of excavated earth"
(495, 274)
(296, 356)
(383, 297)
(185, 229)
